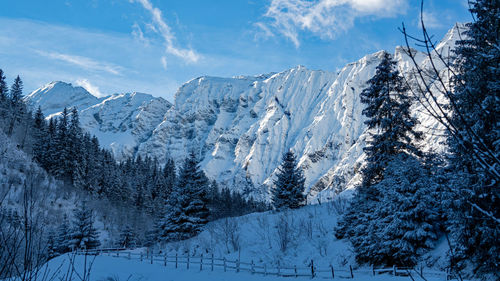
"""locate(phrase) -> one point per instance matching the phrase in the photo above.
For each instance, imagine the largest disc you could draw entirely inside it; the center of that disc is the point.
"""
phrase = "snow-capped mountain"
(241, 126)
(120, 121)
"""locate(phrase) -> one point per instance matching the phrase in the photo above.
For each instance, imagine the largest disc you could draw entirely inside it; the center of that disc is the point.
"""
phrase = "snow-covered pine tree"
(63, 237)
(83, 233)
(187, 210)
(475, 148)
(391, 131)
(61, 148)
(4, 90)
(40, 140)
(17, 105)
(288, 189)
(127, 239)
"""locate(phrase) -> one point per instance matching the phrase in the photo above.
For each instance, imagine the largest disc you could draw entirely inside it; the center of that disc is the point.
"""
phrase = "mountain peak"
(56, 95)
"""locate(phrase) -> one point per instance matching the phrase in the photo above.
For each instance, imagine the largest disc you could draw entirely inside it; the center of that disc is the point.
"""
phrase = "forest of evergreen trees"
(65, 151)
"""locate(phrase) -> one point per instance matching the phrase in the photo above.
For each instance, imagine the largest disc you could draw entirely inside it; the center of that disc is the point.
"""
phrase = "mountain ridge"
(241, 126)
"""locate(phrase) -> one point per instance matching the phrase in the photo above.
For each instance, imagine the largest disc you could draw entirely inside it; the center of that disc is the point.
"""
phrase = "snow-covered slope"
(120, 121)
(53, 97)
(241, 126)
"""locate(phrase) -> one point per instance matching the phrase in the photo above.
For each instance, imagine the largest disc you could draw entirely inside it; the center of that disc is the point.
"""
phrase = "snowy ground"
(113, 269)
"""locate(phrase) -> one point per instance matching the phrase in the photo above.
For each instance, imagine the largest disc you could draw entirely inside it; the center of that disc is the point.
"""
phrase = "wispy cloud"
(85, 83)
(160, 26)
(84, 62)
(431, 20)
(324, 18)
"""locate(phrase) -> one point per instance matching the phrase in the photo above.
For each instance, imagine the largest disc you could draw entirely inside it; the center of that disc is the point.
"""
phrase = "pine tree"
(4, 90)
(127, 239)
(288, 189)
(40, 141)
(83, 233)
(62, 240)
(475, 146)
(18, 107)
(187, 209)
(371, 211)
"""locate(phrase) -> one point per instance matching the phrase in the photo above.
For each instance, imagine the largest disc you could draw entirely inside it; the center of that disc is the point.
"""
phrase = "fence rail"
(211, 263)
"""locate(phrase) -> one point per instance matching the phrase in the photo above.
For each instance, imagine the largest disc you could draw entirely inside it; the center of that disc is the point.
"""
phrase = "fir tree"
(288, 189)
(18, 107)
(40, 142)
(187, 209)
(475, 145)
(63, 237)
(83, 233)
(127, 239)
(390, 146)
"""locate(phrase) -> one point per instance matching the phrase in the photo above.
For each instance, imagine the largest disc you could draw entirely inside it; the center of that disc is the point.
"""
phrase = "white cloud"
(164, 62)
(431, 20)
(324, 18)
(94, 90)
(160, 26)
(83, 62)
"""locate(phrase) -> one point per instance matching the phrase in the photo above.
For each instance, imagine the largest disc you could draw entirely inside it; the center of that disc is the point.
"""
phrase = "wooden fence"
(211, 263)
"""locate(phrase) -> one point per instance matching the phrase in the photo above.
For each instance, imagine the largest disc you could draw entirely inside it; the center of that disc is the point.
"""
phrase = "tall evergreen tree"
(63, 237)
(18, 107)
(40, 139)
(4, 90)
(187, 209)
(476, 144)
(83, 233)
(288, 189)
(372, 211)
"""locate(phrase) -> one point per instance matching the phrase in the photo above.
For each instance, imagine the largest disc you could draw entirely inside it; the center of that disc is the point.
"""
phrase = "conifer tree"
(390, 147)
(40, 140)
(288, 189)
(83, 233)
(127, 239)
(63, 237)
(187, 209)
(475, 145)
(18, 107)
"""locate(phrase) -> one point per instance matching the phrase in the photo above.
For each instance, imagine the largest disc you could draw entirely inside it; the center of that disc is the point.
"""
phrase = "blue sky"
(154, 46)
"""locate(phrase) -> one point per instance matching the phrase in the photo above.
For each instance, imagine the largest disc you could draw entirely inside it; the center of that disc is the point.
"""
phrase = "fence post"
(165, 260)
(187, 265)
(201, 262)
(295, 270)
(333, 272)
(141, 256)
(394, 270)
(279, 269)
(128, 255)
(350, 268)
(117, 254)
(175, 260)
(151, 258)
(373, 270)
(312, 268)
(238, 265)
(224, 261)
(252, 268)
(212, 261)
(421, 270)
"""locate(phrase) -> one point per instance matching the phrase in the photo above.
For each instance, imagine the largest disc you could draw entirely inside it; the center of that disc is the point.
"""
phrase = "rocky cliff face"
(241, 126)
